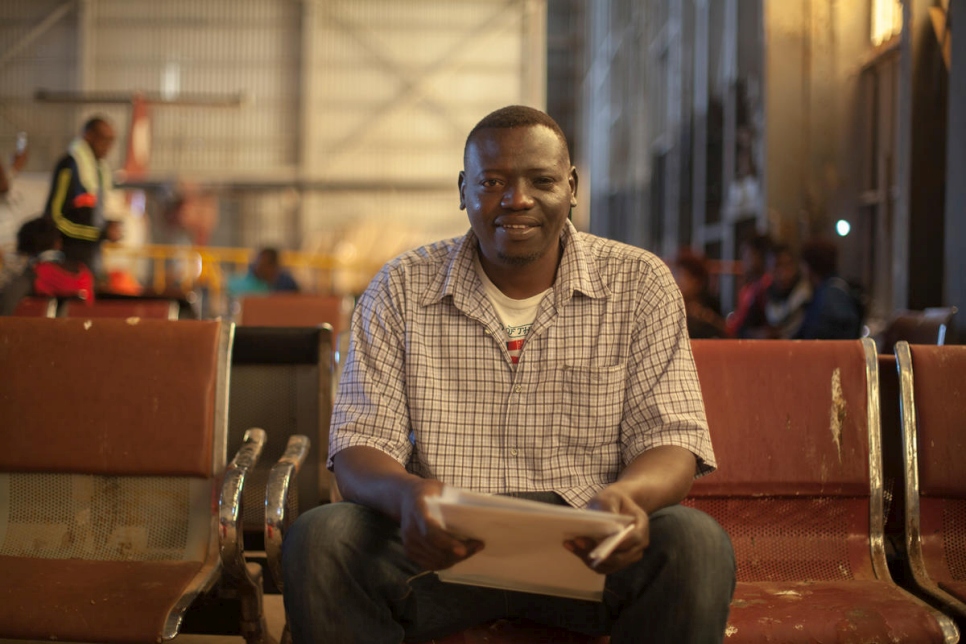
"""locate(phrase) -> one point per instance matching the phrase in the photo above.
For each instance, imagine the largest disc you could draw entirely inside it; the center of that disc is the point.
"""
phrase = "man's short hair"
(821, 255)
(93, 123)
(759, 244)
(514, 116)
(693, 264)
(37, 235)
(270, 254)
(782, 248)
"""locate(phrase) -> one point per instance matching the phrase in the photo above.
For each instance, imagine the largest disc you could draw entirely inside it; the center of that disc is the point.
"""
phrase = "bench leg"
(253, 626)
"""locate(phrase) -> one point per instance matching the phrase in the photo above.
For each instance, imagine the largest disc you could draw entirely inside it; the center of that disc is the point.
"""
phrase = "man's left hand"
(631, 548)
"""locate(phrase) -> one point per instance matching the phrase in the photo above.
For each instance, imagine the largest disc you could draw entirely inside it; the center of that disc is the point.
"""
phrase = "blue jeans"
(348, 580)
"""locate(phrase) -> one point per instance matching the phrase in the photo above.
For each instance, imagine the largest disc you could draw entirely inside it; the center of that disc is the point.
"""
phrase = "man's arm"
(655, 479)
(71, 207)
(370, 477)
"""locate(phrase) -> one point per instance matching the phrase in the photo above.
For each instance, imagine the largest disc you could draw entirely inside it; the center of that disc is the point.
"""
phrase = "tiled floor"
(274, 615)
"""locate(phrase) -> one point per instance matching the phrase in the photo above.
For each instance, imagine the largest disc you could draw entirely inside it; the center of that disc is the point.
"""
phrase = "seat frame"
(915, 557)
(279, 513)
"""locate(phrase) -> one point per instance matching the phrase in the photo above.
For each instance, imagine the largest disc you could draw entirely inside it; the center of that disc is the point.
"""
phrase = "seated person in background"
(265, 275)
(702, 308)
(523, 358)
(787, 295)
(748, 318)
(833, 313)
(46, 271)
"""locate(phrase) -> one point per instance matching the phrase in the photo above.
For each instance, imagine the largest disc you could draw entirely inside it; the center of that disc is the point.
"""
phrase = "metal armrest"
(230, 518)
(277, 517)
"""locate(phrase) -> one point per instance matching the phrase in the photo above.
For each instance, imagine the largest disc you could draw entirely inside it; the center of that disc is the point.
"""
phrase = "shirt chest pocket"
(589, 405)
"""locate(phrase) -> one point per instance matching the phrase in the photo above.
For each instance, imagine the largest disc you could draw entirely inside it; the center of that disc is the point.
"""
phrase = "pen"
(607, 546)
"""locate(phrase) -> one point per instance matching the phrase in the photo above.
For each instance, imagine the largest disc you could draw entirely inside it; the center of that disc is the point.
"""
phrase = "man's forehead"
(493, 140)
(104, 130)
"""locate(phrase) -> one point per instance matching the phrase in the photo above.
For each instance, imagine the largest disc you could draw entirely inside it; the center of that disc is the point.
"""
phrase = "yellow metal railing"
(189, 268)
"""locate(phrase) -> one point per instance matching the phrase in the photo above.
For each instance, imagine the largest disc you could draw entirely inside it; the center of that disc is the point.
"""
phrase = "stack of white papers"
(524, 543)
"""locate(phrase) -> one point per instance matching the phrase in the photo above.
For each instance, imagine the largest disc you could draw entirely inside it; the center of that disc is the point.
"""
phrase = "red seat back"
(294, 309)
(125, 308)
(789, 423)
(127, 391)
(36, 307)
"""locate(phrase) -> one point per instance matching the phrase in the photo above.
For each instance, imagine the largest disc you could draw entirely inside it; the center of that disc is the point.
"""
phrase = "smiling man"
(524, 358)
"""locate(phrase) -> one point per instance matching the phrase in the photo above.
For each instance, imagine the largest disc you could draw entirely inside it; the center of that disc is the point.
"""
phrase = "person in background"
(17, 163)
(269, 270)
(10, 212)
(522, 358)
(45, 270)
(834, 313)
(265, 275)
(79, 189)
(788, 294)
(748, 317)
(702, 308)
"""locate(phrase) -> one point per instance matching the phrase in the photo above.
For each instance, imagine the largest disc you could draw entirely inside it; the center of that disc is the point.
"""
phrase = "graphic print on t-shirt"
(517, 336)
(517, 316)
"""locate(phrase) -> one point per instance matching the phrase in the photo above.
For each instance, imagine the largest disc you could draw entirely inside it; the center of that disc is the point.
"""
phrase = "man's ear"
(573, 185)
(461, 183)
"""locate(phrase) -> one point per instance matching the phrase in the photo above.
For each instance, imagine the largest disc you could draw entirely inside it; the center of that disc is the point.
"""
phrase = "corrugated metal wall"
(359, 106)
(398, 86)
(217, 48)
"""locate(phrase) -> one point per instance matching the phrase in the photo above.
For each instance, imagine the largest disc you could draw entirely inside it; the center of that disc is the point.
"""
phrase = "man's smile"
(516, 231)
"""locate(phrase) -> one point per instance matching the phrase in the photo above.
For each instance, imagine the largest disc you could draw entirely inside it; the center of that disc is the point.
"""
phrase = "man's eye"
(544, 181)
(490, 183)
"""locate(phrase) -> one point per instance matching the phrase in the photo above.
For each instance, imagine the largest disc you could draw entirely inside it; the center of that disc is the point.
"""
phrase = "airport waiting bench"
(117, 507)
(796, 431)
(933, 404)
(295, 309)
(36, 307)
(795, 428)
(65, 307)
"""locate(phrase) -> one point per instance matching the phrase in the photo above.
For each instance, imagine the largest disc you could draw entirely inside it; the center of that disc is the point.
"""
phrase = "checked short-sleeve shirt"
(606, 372)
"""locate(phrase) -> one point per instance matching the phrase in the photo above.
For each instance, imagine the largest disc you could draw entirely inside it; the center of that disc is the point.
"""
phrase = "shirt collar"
(577, 273)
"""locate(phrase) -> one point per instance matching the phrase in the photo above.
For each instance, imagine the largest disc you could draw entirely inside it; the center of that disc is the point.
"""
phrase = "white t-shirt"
(517, 315)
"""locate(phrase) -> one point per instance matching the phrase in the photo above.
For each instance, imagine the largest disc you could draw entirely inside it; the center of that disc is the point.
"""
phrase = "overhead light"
(843, 227)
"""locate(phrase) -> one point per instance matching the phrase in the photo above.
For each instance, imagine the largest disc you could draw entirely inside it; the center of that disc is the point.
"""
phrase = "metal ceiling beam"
(39, 30)
(154, 98)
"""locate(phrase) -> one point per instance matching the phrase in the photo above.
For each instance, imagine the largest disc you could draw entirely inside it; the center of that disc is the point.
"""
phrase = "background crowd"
(783, 295)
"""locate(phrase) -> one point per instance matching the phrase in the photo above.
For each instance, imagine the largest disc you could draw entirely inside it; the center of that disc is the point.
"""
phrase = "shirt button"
(517, 389)
(513, 452)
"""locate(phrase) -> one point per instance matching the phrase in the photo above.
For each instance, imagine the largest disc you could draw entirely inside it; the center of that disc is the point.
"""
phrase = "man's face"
(785, 271)
(101, 138)
(265, 268)
(517, 188)
(751, 261)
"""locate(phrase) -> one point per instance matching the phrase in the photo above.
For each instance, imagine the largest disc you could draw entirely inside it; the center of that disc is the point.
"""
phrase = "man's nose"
(516, 197)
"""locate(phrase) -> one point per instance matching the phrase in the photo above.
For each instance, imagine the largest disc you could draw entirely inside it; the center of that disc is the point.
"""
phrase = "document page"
(523, 543)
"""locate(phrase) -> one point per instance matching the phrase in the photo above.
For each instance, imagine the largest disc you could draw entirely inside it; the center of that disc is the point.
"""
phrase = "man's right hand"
(425, 540)
(371, 477)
